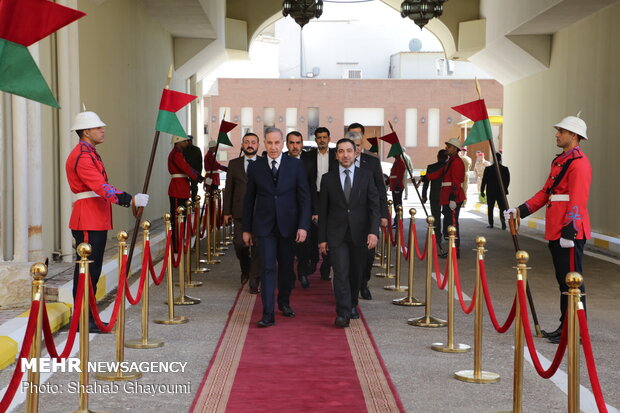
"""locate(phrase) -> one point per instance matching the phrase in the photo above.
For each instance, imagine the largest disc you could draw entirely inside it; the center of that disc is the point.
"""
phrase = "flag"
(171, 102)
(222, 136)
(392, 139)
(374, 145)
(23, 23)
(476, 111)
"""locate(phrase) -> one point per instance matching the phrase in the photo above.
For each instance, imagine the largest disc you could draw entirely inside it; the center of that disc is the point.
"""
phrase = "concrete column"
(20, 178)
(69, 99)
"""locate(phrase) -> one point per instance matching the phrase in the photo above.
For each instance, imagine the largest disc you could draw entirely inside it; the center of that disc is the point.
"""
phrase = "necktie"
(347, 184)
(248, 164)
(274, 170)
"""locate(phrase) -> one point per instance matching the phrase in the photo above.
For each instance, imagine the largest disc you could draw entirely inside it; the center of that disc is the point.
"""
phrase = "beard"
(249, 151)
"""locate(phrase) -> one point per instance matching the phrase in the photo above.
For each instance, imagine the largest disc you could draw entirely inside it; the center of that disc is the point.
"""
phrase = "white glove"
(141, 200)
(452, 205)
(509, 211)
(208, 181)
(566, 243)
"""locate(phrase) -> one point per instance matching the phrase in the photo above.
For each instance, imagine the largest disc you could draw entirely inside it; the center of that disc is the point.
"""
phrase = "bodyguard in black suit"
(276, 210)
(493, 192)
(348, 226)
(435, 185)
(372, 164)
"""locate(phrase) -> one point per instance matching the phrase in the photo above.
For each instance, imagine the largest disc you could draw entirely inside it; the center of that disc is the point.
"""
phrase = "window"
(411, 127)
(352, 74)
(433, 127)
(291, 119)
(313, 121)
(269, 117)
(247, 120)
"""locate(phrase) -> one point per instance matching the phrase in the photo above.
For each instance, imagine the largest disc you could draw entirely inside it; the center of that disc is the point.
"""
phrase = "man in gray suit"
(348, 226)
(236, 181)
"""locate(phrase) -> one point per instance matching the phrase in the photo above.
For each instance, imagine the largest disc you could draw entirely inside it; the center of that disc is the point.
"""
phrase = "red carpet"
(303, 364)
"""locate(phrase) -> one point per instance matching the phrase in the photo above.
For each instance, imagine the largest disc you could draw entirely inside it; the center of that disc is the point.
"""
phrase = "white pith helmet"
(176, 139)
(455, 142)
(573, 124)
(212, 143)
(87, 120)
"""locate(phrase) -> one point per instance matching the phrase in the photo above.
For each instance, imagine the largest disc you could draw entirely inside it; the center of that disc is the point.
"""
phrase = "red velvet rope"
(589, 355)
(188, 238)
(158, 280)
(220, 216)
(176, 261)
(525, 321)
(459, 291)
(421, 257)
(145, 267)
(390, 232)
(73, 327)
(401, 234)
(487, 298)
(441, 284)
(196, 219)
(106, 328)
(8, 396)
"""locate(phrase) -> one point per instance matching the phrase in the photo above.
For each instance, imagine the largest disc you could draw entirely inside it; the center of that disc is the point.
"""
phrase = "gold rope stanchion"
(145, 341)
(198, 268)
(38, 271)
(397, 287)
(172, 319)
(574, 281)
(84, 250)
(189, 207)
(215, 228)
(450, 347)
(477, 375)
(388, 253)
(183, 299)
(119, 374)
(222, 243)
(209, 253)
(410, 300)
(428, 320)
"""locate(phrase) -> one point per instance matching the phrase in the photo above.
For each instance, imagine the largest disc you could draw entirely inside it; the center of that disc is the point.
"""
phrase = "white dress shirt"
(278, 160)
(246, 162)
(322, 166)
(343, 175)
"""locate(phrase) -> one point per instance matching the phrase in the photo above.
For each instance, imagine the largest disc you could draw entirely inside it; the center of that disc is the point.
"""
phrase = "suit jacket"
(361, 213)
(310, 162)
(373, 165)
(234, 192)
(285, 203)
(436, 184)
(490, 181)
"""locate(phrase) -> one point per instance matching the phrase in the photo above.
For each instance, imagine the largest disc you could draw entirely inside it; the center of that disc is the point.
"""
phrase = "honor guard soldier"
(565, 196)
(212, 168)
(91, 218)
(180, 174)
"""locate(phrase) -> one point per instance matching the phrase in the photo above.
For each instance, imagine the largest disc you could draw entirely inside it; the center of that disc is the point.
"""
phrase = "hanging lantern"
(302, 10)
(421, 11)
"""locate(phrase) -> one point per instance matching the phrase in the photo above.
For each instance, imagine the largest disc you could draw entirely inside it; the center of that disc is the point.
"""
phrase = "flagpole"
(411, 177)
(145, 188)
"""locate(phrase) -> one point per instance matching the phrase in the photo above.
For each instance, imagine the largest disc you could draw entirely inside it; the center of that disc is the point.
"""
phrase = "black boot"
(556, 333)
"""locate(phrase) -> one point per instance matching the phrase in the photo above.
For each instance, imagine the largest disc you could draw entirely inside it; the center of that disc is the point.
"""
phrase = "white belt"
(85, 195)
(179, 176)
(446, 184)
(559, 197)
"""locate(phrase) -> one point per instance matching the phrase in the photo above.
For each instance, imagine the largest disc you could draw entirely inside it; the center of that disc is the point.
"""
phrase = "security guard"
(91, 218)
(180, 174)
(565, 195)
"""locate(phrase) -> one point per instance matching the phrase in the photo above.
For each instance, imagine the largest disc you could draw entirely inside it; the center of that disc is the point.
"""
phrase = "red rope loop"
(525, 321)
(73, 327)
(440, 283)
(158, 280)
(422, 256)
(589, 355)
(180, 237)
(145, 267)
(403, 246)
(92, 301)
(8, 396)
(487, 298)
(459, 290)
(390, 232)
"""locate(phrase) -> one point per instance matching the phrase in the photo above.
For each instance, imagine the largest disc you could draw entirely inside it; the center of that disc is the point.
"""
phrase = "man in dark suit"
(234, 192)
(348, 226)
(493, 191)
(435, 185)
(276, 210)
(318, 162)
(369, 162)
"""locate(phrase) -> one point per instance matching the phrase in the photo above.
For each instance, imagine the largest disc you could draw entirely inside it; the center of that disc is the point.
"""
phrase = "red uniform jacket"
(397, 174)
(85, 172)
(567, 218)
(212, 165)
(179, 187)
(454, 174)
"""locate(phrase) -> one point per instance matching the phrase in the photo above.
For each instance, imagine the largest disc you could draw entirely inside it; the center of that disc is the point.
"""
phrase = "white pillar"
(199, 133)
(2, 168)
(69, 99)
(20, 178)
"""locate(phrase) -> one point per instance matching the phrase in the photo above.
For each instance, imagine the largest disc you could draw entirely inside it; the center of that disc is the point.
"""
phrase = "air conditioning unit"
(352, 74)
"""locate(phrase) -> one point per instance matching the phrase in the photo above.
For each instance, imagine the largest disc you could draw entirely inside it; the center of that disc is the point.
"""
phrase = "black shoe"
(555, 339)
(325, 277)
(304, 281)
(503, 226)
(341, 322)
(354, 314)
(266, 321)
(489, 226)
(556, 333)
(93, 329)
(245, 278)
(254, 290)
(365, 292)
(443, 255)
(287, 311)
